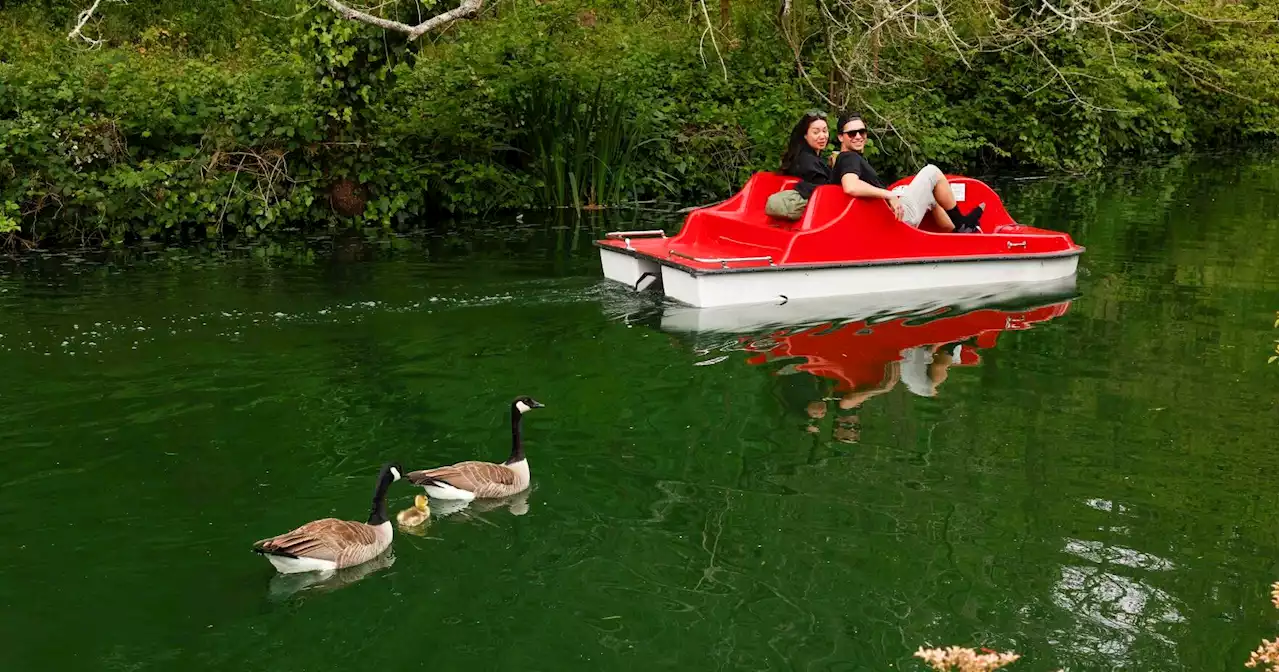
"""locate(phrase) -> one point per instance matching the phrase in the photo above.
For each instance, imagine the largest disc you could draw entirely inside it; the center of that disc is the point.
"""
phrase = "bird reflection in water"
(285, 586)
(516, 505)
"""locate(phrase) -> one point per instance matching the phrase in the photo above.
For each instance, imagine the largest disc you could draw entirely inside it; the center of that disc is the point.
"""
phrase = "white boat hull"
(781, 285)
(630, 271)
(801, 313)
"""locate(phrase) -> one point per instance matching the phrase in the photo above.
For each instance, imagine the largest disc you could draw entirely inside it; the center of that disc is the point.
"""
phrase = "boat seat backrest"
(828, 203)
(763, 185)
(741, 219)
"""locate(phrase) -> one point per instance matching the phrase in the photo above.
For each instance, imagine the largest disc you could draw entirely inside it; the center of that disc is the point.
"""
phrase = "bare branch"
(711, 31)
(855, 29)
(890, 127)
(1063, 78)
(83, 18)
(291, 17)
(466, 9)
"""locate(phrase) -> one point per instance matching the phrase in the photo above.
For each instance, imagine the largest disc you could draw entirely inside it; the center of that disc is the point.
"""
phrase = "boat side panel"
(625, 268)
(727, 289)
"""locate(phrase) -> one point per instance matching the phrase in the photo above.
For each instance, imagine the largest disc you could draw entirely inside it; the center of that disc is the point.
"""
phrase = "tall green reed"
(582, 144)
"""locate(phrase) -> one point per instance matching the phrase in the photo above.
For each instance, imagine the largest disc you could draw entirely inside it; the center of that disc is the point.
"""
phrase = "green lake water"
(1093, 482)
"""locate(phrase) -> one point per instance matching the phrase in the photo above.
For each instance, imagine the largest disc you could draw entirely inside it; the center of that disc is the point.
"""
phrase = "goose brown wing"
(477, 477)
(325, 539)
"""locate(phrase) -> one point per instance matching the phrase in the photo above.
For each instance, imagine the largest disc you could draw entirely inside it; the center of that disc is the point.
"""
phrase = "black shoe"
(970, 222)
(966, 223)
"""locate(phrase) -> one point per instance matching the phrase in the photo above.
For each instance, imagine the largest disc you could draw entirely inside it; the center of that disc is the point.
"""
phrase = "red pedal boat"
(732, 253)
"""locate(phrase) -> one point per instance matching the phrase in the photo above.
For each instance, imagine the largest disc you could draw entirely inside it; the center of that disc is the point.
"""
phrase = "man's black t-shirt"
(853, 162)
(811, 170)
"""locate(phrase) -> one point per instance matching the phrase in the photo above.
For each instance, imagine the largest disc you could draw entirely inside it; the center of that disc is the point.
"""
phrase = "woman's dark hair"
(846, 118)
(796, 142)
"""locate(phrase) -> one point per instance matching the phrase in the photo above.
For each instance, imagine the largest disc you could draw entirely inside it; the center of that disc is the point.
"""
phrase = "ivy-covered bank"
(200, 119)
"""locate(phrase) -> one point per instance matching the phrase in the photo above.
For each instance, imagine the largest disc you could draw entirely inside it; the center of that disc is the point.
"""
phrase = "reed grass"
(582, 144)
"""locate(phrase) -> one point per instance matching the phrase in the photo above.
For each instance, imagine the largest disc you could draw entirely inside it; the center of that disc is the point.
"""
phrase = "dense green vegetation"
(207, 119)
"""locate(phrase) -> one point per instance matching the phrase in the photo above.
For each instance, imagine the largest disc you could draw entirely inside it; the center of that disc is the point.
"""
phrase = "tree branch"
(466, 9)
(82, 19)
(711, 31)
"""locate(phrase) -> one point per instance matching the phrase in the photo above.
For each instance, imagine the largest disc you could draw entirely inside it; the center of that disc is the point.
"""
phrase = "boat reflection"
(865, 358)
(874, 347)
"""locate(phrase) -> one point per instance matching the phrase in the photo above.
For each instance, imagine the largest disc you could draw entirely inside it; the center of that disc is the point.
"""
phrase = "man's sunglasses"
(857, 131)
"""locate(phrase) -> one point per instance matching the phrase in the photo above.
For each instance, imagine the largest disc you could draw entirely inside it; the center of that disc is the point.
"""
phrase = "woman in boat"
(801, 159)
(929, 192)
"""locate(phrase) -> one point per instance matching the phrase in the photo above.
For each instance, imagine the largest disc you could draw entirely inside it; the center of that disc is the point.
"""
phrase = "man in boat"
(928, 193)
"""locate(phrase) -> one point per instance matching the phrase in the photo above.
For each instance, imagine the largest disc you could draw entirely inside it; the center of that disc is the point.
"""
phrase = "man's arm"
(857, 188)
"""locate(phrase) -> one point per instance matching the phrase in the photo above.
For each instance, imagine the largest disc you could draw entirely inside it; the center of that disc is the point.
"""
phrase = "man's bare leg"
(942, 194)
(946, 201)
(943, 221)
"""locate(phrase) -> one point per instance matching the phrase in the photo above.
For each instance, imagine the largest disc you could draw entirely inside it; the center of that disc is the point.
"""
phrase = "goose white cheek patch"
(522, 407)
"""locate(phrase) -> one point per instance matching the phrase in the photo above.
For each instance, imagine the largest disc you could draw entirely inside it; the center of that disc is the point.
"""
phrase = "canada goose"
(330, 543)
(415, 515)
(468, 480)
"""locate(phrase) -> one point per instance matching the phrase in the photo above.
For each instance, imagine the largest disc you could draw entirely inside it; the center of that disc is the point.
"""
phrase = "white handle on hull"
(626, 236)
(648, 233)
(723, 261)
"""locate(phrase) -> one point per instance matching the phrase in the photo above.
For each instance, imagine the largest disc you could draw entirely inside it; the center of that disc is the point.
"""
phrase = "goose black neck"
(378, 512)
(517, 446)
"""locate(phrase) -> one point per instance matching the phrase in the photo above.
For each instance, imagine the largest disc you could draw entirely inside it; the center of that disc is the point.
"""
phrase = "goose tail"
(264, 547)
(438, 488)
(422, 478)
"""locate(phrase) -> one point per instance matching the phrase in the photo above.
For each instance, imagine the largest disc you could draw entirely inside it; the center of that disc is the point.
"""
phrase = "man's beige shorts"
(917, 197)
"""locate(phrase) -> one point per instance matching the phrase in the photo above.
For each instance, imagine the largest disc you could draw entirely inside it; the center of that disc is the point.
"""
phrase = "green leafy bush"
(206, 119)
